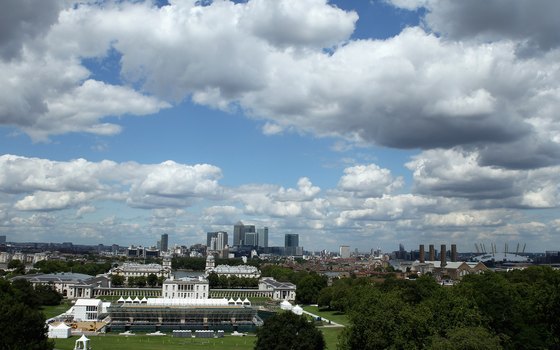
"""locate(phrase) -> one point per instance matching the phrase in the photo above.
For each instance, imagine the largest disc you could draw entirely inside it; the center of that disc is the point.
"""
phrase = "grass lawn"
(331, 336)
(145, 342)
(52, 311)
(335, 316)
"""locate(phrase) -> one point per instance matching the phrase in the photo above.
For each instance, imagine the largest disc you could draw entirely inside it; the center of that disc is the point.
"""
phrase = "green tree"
(140, 281)
(21, 326)
(48, 295)
(308, 288)
(23, 291)
(467, 338)
(117, 280)
(213, 280)
(152, 280)
(18, 266)
(289, 331)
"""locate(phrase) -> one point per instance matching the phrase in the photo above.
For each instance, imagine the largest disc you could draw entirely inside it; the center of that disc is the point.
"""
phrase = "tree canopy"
(493, 310)
(287, 331)
(22, 325)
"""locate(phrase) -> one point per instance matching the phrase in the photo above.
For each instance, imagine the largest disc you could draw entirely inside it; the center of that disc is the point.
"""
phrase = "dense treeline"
(225, 282)
(22, 324)
(88, 268)
(199, 264)
(515, 310)
(308, 284)
(286, 330)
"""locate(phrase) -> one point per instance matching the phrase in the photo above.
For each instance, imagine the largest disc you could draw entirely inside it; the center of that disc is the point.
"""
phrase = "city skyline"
(348, 122)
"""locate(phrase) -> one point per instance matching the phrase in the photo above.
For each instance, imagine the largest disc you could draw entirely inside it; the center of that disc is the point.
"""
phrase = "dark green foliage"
(279, 273)
(466, 338)
(152, 280)
(48, 295)
(289, 331)
(18, 266)
(516, 310)
(88, 268)
(309, 287)
(225, 282)
(187, 263)
(117, 280)
(22, 325)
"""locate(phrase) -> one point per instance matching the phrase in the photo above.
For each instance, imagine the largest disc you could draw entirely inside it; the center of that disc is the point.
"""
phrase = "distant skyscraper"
(250, 239)
(239, 231)
(220, 240)
(291, 243)
(291, 240)
(164, 242)
(344, 251)
(2, 239)
(262, 237)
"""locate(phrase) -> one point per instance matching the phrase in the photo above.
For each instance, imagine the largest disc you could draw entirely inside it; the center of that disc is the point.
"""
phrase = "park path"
(330, 322)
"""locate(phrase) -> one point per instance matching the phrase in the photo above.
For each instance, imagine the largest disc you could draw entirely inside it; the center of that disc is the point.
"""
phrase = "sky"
(360, 123)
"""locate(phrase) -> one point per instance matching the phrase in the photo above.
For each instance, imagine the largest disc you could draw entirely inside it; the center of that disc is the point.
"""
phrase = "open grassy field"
(330, 315)
(331, 336)
(145, 342)
(51, 311)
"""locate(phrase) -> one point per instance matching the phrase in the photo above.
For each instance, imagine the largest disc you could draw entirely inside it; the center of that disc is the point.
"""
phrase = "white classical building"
(186, 288)
(136, 270)
(279, 290)
(228, 270)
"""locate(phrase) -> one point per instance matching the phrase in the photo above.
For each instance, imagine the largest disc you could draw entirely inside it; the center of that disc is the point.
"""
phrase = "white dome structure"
(285, 305)
(297, 310)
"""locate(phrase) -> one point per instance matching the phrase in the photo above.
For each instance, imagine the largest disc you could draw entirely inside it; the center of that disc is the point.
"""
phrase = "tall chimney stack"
(432, 253)
(454, 252)
(422, 254)
(442, 255)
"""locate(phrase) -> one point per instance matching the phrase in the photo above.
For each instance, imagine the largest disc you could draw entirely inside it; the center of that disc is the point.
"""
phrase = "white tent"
(297, 310)
(128, 300)
(82, 343)
(144, 300)
(136, 300)
(285, 305)
(246, 302)
(121, 300)
(59, 331)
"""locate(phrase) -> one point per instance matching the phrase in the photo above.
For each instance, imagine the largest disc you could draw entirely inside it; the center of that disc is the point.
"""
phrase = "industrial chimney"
(432, 253)
(454, 252)
(442, 256)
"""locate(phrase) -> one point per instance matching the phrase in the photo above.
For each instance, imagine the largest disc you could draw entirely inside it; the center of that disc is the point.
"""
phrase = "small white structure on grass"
(285, 305)
(82, 343)
(59, 331)
(297, 310)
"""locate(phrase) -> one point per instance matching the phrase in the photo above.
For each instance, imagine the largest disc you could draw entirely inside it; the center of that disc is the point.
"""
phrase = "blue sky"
(365, 123)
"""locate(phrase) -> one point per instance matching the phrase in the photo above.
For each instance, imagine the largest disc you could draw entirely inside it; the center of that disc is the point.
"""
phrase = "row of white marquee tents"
(186, 301)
